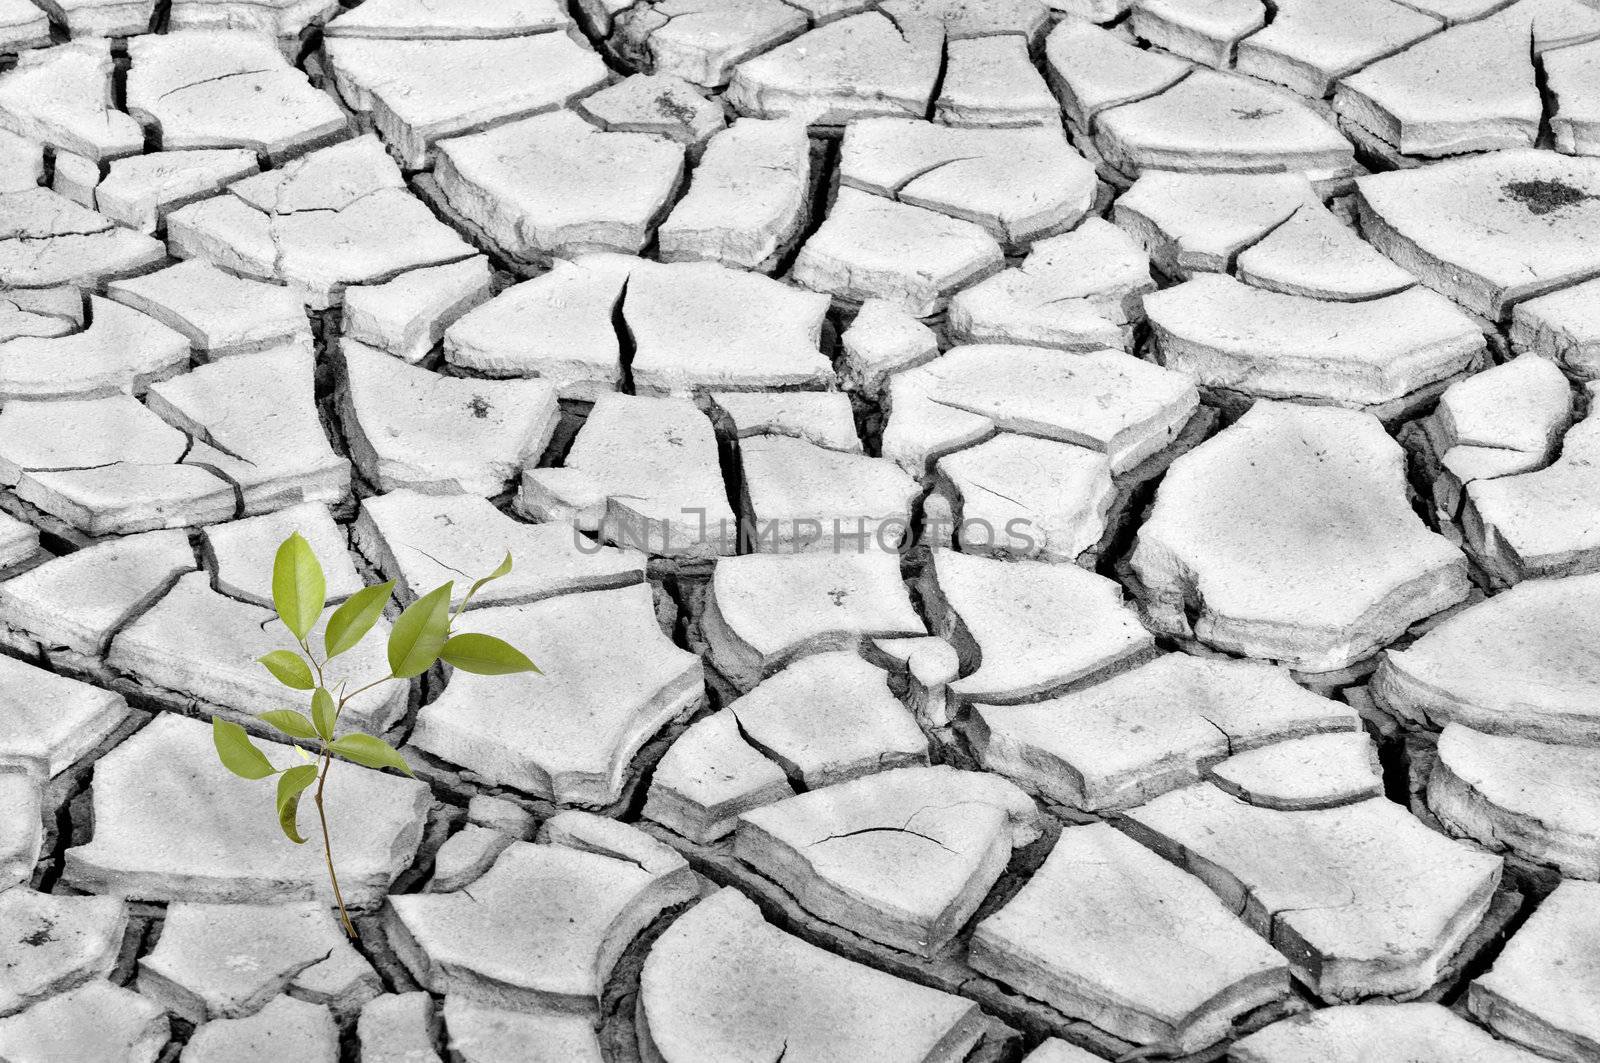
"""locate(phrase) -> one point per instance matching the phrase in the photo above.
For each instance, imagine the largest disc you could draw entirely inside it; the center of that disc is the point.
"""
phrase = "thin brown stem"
(327, 847)
(321, 681)
(346, 698)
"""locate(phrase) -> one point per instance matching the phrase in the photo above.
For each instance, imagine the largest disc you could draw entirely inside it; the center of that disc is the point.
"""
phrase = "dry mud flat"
(1054, 529)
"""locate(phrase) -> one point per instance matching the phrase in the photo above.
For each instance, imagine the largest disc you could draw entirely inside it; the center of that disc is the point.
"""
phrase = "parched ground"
(1053, 528)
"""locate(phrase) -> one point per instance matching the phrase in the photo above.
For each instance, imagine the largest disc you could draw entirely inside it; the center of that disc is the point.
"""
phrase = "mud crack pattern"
(1054, 529)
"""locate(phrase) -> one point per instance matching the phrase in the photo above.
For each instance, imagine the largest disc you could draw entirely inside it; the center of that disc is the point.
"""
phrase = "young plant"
(420, 636)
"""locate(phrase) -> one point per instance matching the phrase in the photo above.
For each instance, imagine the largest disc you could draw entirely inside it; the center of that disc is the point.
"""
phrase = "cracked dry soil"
(1054, 529)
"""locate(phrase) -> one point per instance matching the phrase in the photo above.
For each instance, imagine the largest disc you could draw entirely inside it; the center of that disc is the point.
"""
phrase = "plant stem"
(327, 847)
(322, 781)
(346, 698)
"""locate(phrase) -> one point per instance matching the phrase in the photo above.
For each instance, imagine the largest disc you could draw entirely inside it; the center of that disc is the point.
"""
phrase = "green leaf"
(290, 786)
(323, 712)
(503, 570)
(420, 633)
(485, 655)
(237, 753)
(370, 752)
(288, 668)
(292, 723)
(350, 622)
(298, 590)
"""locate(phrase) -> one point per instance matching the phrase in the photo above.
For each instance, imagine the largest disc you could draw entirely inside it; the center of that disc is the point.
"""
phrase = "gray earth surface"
(1059, 530)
